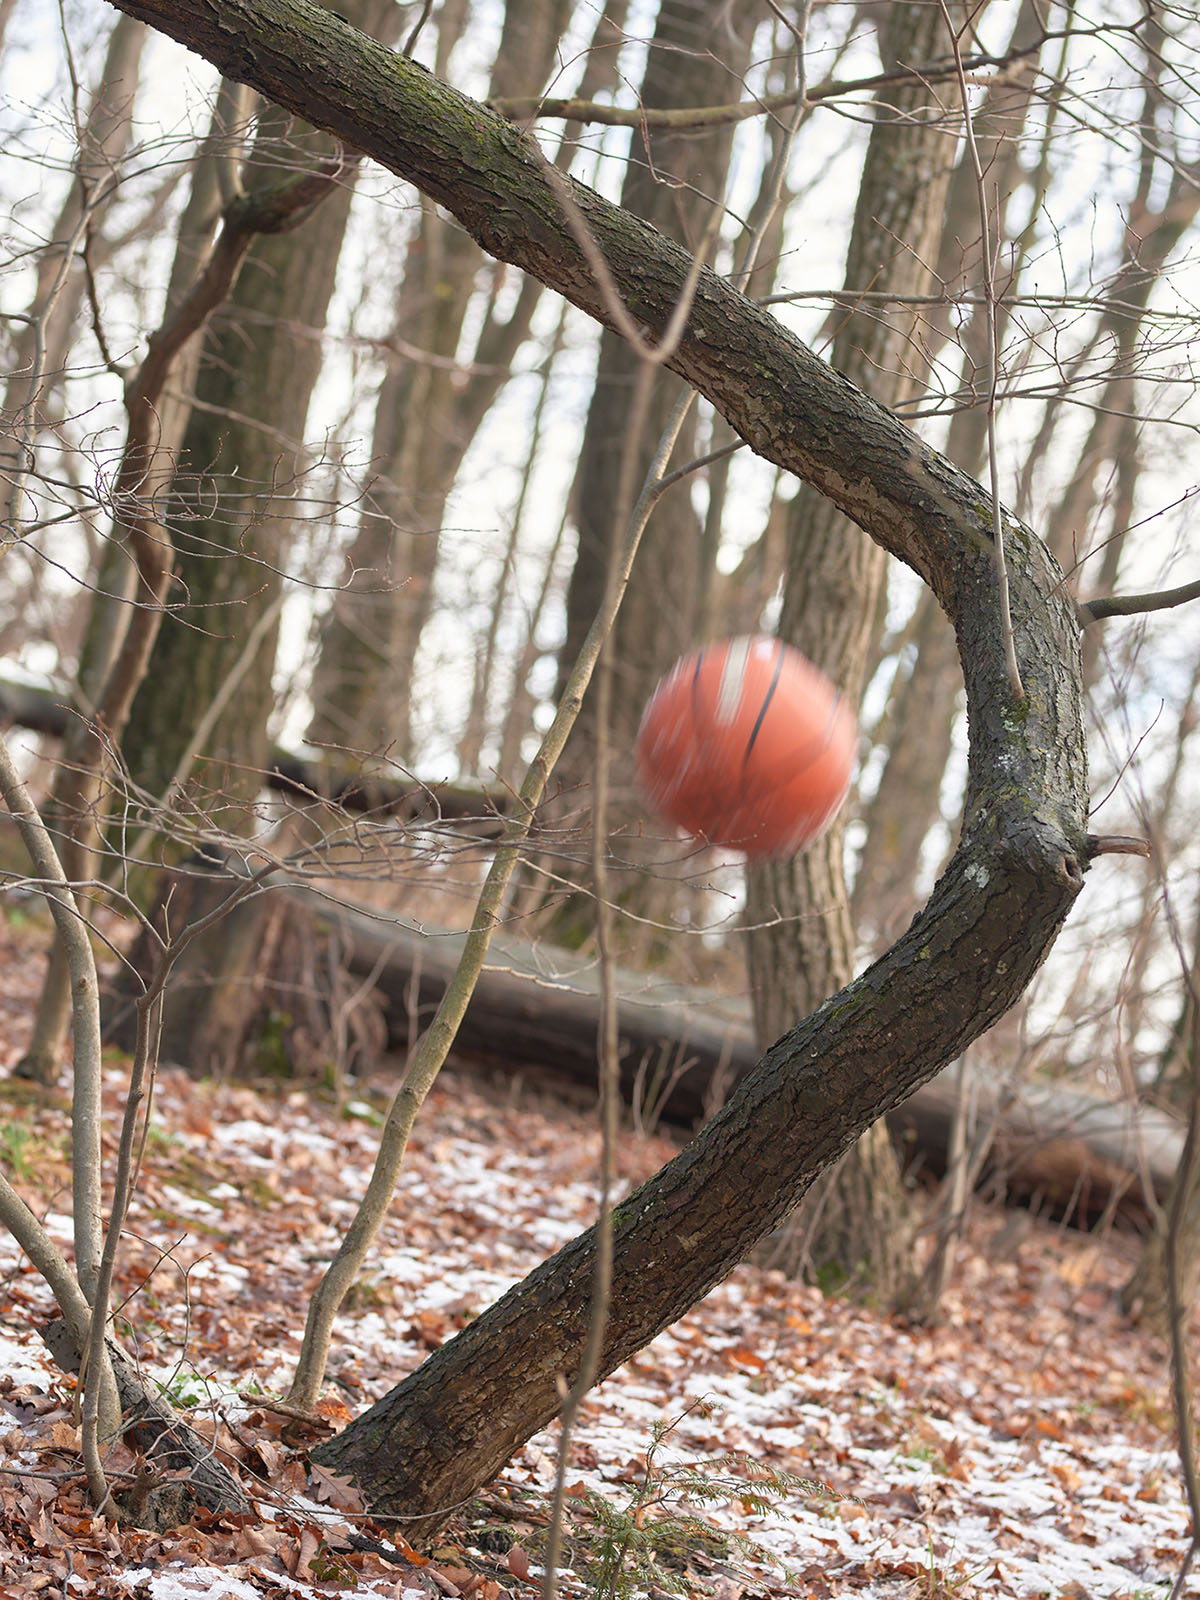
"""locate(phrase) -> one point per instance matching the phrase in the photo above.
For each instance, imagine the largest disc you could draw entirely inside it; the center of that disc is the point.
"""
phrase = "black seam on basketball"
(762, 711)
(696, 690)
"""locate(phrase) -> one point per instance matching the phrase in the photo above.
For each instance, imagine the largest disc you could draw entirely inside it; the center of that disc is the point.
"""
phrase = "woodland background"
(311, 505)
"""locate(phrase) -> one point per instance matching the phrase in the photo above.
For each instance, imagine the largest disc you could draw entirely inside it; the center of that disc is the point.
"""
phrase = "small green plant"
(272, 1054)
(328, 1566)
(939, 1584)
(831, 1279)
(368, 1294)
(359, 1110)
(26, 1149)
(16, 1142)
(635, 1541)
(922, 1450)
(16, 915)
(186, 1389)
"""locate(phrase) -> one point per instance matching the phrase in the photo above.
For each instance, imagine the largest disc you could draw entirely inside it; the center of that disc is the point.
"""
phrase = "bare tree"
(674, 180)
(126, 618)
(1006, 890)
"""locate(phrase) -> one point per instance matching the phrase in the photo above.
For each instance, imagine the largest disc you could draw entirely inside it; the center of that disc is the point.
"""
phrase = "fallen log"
(684, 1048)
(362, 787)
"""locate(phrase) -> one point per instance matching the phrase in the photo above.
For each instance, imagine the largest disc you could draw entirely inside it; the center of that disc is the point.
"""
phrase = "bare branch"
(1134, 605)
(1116, 844)
(980, 68)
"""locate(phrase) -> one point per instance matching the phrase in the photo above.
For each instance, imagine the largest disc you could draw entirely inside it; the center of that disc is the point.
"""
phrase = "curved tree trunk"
(925, 704)
(801, 940)
(994, 913)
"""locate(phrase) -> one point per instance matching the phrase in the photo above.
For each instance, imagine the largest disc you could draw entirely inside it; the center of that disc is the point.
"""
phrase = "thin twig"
(140, 1078)
(607, 1040)
(1116, 844)
(406, 49)
(216, 707)
(521, 107)
(25, 425)
(85, 1109)
(616, 310)
(85, 1002)
(1182, 1194)
(799, 30)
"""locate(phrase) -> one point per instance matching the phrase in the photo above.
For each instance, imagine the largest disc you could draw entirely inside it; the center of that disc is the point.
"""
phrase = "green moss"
(1017, 713)
(271, 1054)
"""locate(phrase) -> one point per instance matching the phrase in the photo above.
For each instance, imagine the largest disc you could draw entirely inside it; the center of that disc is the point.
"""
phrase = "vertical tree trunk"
(426, 415)
(1146, 1298)
(114, 591)
(801, 940)
(673, 180)
(231, 516)
(232, 496)
(103, 141)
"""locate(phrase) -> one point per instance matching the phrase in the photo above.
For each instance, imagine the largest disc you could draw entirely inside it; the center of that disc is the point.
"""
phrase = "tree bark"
(925, 703)
(994, 913)
(155, 1427)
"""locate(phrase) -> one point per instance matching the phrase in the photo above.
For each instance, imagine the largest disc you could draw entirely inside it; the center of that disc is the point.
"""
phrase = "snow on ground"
(1021, 1448)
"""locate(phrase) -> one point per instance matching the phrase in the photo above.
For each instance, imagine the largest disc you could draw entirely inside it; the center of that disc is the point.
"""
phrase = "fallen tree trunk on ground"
(684, 1048)
(361, 788)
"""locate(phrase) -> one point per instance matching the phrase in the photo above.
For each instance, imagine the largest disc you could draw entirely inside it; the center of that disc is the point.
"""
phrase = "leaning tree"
(992, 916)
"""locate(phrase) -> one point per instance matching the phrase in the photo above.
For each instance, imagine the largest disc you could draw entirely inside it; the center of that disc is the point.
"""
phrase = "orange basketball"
(746, 744)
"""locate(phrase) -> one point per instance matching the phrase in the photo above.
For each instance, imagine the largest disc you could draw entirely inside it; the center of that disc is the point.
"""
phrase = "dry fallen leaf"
(518, 1563)
(334, 1490)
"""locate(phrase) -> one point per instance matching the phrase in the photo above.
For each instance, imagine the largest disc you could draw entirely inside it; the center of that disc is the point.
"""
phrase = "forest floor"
(1022, 1447)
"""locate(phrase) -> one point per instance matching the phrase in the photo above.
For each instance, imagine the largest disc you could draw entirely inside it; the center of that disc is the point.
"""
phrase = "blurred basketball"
(746, 744)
